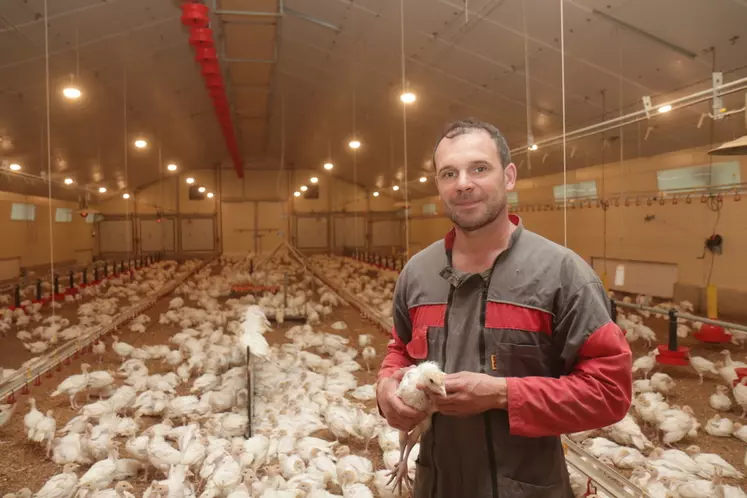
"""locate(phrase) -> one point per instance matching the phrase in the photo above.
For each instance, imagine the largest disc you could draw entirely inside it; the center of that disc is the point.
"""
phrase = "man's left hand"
(470, 393)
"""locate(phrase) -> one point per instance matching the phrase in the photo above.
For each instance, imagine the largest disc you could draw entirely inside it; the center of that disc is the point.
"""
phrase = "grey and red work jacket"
(540, 317)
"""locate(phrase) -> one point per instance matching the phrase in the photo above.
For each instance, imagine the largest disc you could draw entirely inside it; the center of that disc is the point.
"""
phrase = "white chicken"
(720, 400)
(430, 376)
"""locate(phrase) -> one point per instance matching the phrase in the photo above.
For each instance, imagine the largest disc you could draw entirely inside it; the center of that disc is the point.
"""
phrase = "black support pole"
(672, 330)
(17, 294)
(38, 290)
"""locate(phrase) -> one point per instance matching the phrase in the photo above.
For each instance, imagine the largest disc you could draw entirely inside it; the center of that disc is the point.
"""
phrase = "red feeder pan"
(195, 15)
(201, 37)
(741, 373)
(667, 357)
(712, 333)
(215, 82)
(210, 69)
(206, 54)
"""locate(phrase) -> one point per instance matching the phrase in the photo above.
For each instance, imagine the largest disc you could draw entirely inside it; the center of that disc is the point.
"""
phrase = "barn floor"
(23, 464)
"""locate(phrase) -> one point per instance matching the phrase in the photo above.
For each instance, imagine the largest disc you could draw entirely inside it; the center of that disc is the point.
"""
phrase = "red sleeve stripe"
(428, 315)
(395, 358)
(513, 316)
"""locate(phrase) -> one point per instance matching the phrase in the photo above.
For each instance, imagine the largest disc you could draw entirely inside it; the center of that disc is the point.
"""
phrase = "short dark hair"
(456, 128)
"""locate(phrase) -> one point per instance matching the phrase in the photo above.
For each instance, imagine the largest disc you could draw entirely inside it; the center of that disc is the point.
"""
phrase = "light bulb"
(304, 188)
(407, 97)
(15, 167)
(395, 188)
(313, 179)
(297, 194)
(71, 93)
(354, 144)
(375, 194)
(140, 143)
(201, 190)
(665, 108)
(210, 195)
(102, 189)
(328, 166)
(68, 181)
(125, 195)
(423, 179)
(533, 147)
(190, 180)
(171, 167)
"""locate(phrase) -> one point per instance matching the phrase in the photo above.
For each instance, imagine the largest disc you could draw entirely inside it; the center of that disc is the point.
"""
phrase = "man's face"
(471, 181)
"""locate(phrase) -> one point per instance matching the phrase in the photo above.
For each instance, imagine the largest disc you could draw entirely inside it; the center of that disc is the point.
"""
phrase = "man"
(521, 326)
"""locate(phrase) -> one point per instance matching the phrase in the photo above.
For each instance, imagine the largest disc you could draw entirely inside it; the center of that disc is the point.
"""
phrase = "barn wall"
(675, 235)
(26, 244)
(252, 215)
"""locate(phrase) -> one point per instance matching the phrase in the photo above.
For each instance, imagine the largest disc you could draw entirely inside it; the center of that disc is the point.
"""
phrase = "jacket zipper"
(435, 415)
(486, 415)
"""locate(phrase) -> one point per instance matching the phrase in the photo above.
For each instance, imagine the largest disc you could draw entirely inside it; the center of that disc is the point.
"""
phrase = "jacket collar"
(456, 277)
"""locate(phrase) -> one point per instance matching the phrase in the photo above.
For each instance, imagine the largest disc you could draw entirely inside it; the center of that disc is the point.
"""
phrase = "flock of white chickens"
(172, 419)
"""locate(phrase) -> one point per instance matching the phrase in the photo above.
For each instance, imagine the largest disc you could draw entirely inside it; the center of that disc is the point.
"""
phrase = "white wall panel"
(350, 232)
(115, 236)
(83, 256)
(311, 232)
(638, 277)
(386, 233)
(272, 224)
(238, 228)
(158, 236)
(198, 234)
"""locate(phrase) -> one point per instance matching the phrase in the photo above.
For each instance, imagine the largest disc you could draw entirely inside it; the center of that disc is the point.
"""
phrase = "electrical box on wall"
(312, 192)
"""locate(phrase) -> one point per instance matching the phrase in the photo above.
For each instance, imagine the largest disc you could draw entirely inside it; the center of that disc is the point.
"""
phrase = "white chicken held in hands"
(429, 376)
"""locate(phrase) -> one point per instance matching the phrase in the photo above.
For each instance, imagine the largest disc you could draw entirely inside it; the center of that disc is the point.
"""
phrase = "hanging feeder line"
(195, 16)
(20, 380)
(600, 476)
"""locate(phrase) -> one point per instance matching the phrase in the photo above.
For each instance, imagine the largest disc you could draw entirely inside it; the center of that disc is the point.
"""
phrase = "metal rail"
(679, 314)
(48, 361)
(604, 477)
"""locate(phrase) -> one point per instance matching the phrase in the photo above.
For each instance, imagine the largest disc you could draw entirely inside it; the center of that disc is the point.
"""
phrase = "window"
(512, 198)
(63, 215)
(704, 176)
(94, 217)
(429, 209)
(583, 190)
(23, 212)
(312, 192)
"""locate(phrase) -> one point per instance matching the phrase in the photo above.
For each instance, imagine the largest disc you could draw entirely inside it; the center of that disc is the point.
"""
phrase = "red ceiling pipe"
(201, 37)
(195, 15)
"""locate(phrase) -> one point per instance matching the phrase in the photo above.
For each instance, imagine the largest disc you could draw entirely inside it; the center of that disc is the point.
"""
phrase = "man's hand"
(395, 411)
(470, 393)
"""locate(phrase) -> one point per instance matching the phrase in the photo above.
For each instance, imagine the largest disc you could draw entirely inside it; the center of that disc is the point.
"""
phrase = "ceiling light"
(423, 179)
(533, 147)
(68, 181)
(407, 97)
(395, 188)
(354, 144)
(201, 190)
(304, 188)
(665, 108)
(190, 180)
(313, 179)
(297, 194)
(15, 167)
(125, 196)
(140, 143)
(328, 166)
(102, 190)
(375, 194)
(72, 93)
(171, 167)
(210, 195)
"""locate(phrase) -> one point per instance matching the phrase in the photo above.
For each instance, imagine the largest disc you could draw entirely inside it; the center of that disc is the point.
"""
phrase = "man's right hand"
(399, 415)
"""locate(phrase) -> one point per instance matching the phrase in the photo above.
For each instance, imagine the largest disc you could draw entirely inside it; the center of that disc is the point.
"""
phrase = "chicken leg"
(406, 443)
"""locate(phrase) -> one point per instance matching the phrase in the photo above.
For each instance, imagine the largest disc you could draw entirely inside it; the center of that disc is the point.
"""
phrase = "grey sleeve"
(400, 310)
